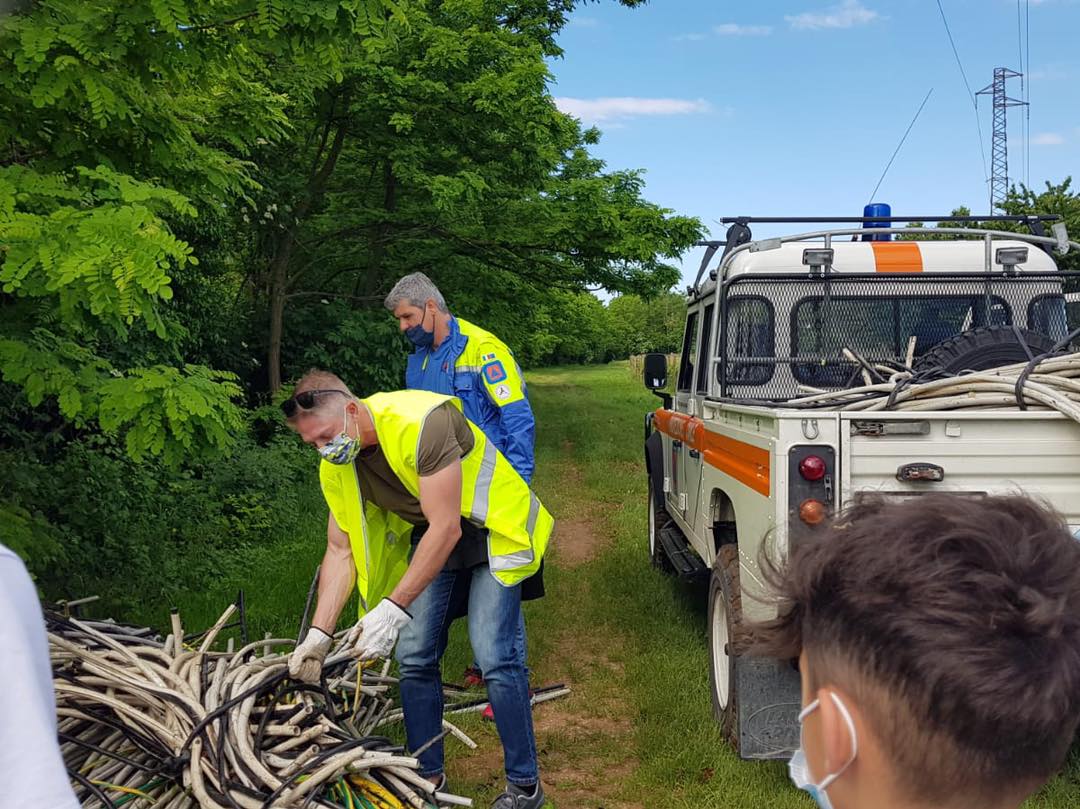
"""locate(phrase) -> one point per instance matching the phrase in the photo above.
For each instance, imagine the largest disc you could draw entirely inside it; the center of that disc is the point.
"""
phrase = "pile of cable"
(1045, 383)
(174, 725)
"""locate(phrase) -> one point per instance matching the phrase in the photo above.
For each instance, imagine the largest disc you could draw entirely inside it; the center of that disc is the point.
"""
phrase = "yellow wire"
(118, 788)
(359, 683)
(379, 795)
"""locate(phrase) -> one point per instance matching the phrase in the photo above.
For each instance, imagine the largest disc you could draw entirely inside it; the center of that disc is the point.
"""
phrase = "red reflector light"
(812, 512)
(812, 467)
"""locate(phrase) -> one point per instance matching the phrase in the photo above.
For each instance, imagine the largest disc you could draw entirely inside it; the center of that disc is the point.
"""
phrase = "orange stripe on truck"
(748, 464)
(897, 256)
(744, 462)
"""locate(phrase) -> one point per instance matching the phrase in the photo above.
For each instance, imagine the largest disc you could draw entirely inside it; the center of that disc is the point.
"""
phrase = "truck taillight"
(811, 487)
(812, 512)
(813, 467)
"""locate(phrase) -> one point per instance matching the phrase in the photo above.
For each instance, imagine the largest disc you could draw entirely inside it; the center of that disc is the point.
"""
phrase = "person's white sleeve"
(31, 767)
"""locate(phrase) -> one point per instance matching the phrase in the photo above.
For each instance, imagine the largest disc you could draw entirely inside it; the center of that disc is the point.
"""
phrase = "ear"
(837, 741)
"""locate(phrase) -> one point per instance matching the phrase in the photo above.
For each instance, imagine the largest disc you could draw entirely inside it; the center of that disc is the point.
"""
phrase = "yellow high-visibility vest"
(493, 496)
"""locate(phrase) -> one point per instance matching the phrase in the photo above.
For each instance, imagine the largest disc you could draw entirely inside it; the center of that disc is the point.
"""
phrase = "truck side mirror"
(655, 371)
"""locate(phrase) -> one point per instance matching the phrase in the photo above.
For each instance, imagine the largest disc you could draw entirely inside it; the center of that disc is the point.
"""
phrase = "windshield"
(783, 334)
(881, 327)
(1048, 314)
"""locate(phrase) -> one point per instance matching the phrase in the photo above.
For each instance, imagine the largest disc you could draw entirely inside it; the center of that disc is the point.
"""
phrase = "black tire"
(658, 520)
(983, 348)
(725, 641)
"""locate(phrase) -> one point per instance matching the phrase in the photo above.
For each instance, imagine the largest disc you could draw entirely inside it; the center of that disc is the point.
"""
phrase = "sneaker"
(517, 798)
(488, 714)
(473, 678)
(439, 787)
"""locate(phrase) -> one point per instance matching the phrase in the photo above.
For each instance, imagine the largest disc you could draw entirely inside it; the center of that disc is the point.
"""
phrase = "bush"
(362, 346)
(91, 521)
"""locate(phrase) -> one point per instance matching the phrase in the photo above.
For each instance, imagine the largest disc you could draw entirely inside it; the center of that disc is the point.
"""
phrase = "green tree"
(119, 121)
(639, 325)
(1055, 199)
(443, 151)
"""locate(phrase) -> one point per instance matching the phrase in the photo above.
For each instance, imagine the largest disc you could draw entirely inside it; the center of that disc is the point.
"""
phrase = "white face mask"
(799, 768)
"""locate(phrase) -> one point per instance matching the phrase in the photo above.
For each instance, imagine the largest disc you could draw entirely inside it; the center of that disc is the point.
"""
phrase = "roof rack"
(739, 233)
(838, 220)
(1060, 241)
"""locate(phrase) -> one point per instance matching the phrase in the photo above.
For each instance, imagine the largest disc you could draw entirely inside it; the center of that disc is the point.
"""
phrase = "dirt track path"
(585, 741)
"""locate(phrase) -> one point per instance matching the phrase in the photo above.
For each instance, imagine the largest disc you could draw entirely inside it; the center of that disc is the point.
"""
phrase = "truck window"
(689, 354)
(751, 342)
(705, 350)
(1047, 314)
(878, 329)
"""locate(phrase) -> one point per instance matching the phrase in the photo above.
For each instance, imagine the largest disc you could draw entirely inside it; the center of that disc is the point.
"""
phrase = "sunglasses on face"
(305, 401)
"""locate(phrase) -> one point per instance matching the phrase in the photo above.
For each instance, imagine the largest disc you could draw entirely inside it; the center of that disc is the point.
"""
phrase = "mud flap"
(770, 697)
(654, 463)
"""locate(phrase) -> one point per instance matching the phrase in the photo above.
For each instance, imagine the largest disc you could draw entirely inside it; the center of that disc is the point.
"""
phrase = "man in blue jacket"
(455, 357)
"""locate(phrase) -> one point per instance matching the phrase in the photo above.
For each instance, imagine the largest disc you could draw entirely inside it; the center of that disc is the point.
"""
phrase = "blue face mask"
(341, 449)
(799, 768)
(419, 336)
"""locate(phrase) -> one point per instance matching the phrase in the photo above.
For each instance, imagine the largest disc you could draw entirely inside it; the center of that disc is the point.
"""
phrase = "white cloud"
(583, 22)
(734, 29)
(598, 110)
(847, 14)
(697, 36)
(1047, 139)
(1051, 72)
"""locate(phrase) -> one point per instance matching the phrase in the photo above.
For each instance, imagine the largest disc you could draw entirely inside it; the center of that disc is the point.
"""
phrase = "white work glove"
(377, 632)
(305, 663)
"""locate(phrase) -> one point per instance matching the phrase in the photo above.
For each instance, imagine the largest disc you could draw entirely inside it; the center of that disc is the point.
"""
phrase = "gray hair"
(415, 289)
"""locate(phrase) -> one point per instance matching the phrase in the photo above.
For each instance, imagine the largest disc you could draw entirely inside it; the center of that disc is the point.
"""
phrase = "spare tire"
(983, 348)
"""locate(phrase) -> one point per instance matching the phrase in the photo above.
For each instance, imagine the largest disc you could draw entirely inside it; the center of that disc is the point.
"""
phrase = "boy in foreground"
(939, 649)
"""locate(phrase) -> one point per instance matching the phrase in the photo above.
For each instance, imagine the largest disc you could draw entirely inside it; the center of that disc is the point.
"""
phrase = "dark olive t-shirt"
(445, 437)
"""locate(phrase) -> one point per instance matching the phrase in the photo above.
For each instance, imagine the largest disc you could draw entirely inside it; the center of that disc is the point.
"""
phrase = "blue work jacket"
(479, 368)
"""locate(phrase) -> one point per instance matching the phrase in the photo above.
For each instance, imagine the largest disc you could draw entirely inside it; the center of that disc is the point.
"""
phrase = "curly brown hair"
(955, 623)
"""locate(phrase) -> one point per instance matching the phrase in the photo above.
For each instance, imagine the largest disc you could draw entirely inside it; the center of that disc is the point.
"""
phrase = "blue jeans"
(520, 644)
(495, 632)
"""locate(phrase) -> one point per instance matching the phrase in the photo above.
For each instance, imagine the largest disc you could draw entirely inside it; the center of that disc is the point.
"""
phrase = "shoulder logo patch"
(502, 392)
(494, 372)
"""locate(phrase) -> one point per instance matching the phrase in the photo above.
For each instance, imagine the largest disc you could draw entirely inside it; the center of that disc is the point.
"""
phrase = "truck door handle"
(695, 453)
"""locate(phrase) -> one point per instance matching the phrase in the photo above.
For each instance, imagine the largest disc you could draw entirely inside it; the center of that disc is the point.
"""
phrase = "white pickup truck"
(736, 469)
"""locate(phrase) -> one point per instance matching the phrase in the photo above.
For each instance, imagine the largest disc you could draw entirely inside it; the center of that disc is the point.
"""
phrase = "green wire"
(145, 788)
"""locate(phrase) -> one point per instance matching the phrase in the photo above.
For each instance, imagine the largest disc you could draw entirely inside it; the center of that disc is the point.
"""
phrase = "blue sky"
(793, 107)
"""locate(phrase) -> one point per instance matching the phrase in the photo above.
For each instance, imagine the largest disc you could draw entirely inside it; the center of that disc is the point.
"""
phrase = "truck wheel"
(983, 348)
(725, 626)
(658, 520)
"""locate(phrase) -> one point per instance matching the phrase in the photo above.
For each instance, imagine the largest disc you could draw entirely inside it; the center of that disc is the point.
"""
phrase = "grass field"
(637, 731)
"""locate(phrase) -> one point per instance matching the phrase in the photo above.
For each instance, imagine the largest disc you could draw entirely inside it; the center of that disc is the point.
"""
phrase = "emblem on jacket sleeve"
(494, 372)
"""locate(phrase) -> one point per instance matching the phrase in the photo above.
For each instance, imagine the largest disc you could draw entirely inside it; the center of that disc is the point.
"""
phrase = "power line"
(899, 146)
(971, 95)
(1019, 34)
(1027, 90)
(1023, 83)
